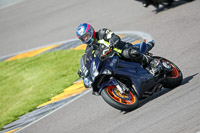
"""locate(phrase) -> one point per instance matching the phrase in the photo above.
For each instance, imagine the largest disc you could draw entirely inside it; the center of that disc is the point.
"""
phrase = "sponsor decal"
(81, 31)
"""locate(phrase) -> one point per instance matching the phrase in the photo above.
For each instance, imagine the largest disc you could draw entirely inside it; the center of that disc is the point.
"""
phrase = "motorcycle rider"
(105, 40)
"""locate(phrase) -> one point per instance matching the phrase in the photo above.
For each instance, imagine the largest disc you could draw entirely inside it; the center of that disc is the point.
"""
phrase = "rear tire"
(124, 102)
(174, 78)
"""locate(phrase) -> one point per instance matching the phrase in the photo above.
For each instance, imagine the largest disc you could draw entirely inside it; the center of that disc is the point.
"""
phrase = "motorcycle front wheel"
(125, 102)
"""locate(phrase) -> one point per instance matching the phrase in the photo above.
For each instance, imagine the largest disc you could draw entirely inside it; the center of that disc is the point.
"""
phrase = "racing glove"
(80, 74)
(114, 41)
(150, 45)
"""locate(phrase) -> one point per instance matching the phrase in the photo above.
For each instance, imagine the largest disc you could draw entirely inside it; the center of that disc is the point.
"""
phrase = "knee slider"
(125, 53)
(134, 53)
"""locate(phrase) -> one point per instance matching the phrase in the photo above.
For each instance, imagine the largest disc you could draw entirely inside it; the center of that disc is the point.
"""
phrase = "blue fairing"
(130, 70)
(108, 71)
(138, 75)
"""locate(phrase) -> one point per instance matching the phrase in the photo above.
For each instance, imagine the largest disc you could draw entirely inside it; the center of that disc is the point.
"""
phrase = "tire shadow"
(161, 92)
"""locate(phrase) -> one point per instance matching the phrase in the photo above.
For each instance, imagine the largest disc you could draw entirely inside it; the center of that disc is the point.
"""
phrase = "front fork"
(120, 86)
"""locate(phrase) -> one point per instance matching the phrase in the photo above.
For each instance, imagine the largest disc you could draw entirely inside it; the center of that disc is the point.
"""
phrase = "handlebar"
(107, 52)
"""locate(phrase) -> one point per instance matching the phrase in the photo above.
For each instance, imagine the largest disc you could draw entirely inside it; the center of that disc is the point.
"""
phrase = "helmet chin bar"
(90, 42)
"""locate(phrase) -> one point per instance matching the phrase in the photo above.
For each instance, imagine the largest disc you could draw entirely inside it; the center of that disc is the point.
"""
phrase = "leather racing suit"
(106, 39)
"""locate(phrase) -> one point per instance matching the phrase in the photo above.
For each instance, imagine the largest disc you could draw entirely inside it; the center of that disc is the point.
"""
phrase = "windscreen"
(83, 62)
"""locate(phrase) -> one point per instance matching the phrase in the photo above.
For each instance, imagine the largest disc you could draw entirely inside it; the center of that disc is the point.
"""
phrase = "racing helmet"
(86, 33)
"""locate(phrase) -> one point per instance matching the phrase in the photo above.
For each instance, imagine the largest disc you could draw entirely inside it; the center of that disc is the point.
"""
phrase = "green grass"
(29, 82)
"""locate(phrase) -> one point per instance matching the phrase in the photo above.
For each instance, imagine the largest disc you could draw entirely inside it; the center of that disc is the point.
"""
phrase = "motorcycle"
(156, 3)
(164, 3)
(122, 84)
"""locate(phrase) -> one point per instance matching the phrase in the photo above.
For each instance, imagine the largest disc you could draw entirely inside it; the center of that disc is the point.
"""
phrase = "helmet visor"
(87, 37)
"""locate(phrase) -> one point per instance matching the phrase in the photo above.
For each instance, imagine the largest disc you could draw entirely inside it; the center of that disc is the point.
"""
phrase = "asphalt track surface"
(176, 31)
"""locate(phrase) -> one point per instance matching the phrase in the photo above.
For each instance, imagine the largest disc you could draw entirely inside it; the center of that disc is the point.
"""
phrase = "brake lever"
(107, 52)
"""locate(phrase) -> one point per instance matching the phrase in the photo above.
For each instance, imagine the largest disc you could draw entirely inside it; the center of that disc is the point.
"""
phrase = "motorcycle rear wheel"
(173, 78)
(124, 102)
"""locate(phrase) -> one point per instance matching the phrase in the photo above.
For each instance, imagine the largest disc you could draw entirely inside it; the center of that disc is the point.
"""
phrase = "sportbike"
(123, 83)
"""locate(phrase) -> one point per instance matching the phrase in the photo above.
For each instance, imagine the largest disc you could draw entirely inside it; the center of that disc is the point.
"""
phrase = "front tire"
(124, 102)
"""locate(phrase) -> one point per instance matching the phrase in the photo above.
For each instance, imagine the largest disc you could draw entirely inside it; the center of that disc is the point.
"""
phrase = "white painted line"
(82, 94)
(145, 35)
(7, 3)
(62, 42)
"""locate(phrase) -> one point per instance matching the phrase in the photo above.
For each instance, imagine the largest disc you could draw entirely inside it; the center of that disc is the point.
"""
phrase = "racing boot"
(135, 56)
(143, 59)
(150, 45)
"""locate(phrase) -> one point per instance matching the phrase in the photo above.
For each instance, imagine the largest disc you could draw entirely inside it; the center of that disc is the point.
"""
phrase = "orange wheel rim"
(174, 73)
(127, 98)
